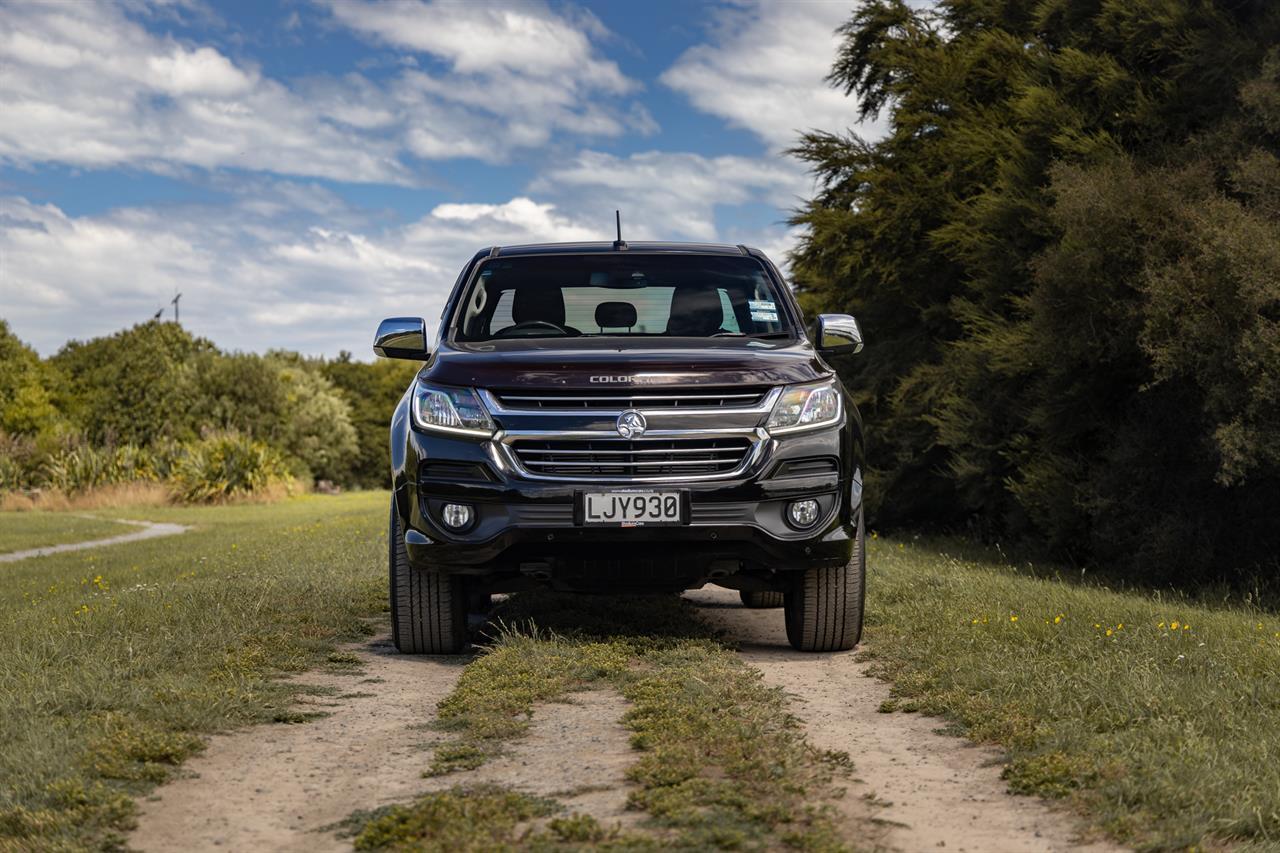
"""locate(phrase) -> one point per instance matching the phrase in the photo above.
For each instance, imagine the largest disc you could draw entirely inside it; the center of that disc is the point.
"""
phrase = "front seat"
(531, 304)
(696, 312)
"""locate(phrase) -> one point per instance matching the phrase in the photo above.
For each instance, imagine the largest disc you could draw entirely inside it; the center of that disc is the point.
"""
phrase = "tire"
(428, 609)
(761, 600)
(824, 606)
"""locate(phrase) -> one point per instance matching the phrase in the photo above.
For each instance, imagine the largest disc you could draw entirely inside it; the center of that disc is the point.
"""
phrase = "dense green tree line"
(1066, 252)
(156, 385)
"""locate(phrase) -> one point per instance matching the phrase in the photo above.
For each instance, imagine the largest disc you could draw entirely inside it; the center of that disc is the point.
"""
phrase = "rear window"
(621, 295)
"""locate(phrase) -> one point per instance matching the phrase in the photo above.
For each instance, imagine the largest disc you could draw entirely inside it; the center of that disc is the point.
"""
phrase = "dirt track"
(934, 791)
(277, 787)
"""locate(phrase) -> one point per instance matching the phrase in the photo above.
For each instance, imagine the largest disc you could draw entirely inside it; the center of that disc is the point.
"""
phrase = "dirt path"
(275, 788)
(936, 791)
(150, 530)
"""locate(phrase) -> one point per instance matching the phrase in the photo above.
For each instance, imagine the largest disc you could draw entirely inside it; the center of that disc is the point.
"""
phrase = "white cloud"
(672, 195)
(250, 279)
(290, 265)
(85, 84)
(765, 69)
(537, 69)
(487, 38)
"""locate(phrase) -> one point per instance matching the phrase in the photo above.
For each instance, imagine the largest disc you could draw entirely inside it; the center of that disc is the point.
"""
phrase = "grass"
(114, 661)
(114, 496)
(720, 763)
(484, 819)
(1156, 716)
(20, 531)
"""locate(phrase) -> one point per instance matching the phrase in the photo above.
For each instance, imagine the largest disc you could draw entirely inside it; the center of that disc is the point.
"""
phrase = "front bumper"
(525, 530)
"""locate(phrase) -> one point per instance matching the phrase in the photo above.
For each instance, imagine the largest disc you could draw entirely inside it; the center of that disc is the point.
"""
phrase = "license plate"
(630, 509)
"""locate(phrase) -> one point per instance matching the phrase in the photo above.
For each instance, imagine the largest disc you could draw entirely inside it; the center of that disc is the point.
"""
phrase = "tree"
(26, 405)
(372, 391)
(135, 386)
(1063, 250)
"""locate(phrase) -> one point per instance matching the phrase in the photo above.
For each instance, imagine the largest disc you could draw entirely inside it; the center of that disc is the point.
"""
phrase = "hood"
(599, 363)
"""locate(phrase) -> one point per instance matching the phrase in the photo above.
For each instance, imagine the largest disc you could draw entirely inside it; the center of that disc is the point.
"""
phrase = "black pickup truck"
(612, 417)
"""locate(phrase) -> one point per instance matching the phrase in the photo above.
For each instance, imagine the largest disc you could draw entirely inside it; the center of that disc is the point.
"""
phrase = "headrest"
(538, 302)
(695, 312)
(615, 315)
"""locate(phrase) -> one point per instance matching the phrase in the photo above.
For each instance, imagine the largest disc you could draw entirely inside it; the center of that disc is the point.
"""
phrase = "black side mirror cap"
(838, 334)
(402, 337)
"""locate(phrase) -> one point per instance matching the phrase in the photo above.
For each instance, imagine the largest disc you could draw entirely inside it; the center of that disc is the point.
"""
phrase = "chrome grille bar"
(520, 400)
(577, 458)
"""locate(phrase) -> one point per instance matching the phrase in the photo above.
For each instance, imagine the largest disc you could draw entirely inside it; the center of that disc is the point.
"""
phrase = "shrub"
(81, 467)
(226, 465)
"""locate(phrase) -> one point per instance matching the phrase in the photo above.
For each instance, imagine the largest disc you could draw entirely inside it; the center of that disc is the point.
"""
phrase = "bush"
(76, 469)
(16, 455)
(224, 466)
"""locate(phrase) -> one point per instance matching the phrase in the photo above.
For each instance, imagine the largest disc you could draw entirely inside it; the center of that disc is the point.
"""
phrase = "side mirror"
(838, 334)
(402, 337)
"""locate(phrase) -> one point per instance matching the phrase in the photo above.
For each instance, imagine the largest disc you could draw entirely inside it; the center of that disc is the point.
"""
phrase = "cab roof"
(605, 248)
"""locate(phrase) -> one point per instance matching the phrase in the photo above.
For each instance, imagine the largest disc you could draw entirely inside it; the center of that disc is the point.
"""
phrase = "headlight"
(456, 410)
(805, 407)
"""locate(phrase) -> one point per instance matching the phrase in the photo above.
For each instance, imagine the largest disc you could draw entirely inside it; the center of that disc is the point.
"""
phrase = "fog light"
(456, 516)
(803, 513)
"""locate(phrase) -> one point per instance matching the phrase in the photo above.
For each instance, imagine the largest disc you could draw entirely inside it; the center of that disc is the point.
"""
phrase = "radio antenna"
(618, 244)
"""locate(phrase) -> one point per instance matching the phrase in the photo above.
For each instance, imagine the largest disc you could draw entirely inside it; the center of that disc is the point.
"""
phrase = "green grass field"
(20, 531)
(113, 661)
(1157, 717)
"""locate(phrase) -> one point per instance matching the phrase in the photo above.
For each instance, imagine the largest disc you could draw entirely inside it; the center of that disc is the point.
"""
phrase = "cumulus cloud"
(488, 38)
(538, 69)
(87, 84)
(288, 264)
(764, 70)
(673, 194)
(251, 278)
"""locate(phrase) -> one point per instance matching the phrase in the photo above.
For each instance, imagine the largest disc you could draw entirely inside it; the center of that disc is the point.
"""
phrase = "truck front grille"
(689, 397)
(613, 457)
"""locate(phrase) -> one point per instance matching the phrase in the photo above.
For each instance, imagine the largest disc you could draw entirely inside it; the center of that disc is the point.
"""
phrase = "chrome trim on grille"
(663, 423)
(503, 448)
(765, 403)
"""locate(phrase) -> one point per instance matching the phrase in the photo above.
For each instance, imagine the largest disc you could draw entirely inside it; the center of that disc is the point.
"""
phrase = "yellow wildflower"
(1057, 620)
(1174, 625)
(1013, 618)
(1108, 632)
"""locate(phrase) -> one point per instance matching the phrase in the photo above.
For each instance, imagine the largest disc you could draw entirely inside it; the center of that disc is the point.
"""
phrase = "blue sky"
(300, 169)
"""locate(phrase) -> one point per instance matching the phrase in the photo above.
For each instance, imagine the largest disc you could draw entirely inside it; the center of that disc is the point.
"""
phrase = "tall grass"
(218, 467)
(226, 466)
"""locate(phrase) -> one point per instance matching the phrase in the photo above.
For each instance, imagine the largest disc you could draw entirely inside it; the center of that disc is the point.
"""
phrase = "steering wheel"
(528, 325)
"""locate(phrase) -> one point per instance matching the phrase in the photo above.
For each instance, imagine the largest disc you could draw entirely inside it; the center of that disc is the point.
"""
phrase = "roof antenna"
(619, 245)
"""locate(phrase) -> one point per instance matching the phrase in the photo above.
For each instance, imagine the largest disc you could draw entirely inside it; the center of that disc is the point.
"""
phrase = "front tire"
(428, 609)
(757, 600)
(824, 606)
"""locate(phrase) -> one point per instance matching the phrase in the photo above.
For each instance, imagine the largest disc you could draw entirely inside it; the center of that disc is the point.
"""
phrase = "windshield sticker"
(764, 316)
(762, 305)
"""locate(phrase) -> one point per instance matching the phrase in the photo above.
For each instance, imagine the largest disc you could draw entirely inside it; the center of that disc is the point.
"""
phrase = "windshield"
(621, 295)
